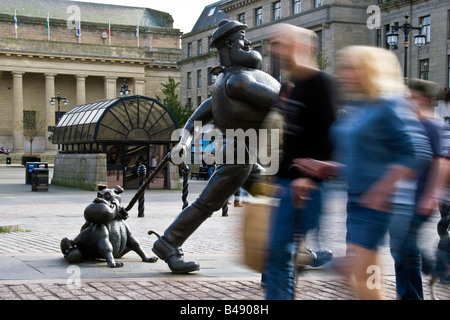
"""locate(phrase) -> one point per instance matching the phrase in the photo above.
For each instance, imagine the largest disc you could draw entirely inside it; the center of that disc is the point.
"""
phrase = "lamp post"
(392, 39)
(52, 103)
(124, 91)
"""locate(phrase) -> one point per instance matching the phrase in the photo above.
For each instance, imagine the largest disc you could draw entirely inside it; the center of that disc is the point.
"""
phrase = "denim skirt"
(366, 227)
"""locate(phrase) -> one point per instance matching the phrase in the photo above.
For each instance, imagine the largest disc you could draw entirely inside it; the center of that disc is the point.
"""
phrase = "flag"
(137, 30)
(48, 25)
(15, 23)
(137, 33)
(78, 30)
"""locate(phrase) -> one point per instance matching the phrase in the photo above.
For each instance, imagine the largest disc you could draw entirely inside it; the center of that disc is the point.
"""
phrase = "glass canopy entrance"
(131, 131)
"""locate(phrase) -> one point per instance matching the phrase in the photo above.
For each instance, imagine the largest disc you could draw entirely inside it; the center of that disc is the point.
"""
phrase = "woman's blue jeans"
(403, 233)
(288, 222)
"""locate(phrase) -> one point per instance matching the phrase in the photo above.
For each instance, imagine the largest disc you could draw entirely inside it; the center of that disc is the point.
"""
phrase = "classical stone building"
(338, 23)
(85, 52)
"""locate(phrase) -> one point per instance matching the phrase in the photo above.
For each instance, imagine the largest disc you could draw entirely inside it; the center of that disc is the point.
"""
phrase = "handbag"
(257, 219)
(255, 234)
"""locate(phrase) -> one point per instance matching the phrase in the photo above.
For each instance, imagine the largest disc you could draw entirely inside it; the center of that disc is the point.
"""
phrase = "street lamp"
(419, 39)
(52, 103)
(124, 89)
(58, 98)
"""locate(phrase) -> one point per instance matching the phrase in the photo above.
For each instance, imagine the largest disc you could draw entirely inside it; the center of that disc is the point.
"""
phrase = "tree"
(31, 126)
(171, 101)
(322, 61)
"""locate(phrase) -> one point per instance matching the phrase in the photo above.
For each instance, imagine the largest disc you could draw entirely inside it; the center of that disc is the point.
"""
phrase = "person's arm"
(318, 169)
(428, 202)
(378, 195)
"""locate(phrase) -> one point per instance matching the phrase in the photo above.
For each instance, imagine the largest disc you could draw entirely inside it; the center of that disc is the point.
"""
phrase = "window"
(386, 31)
(425, 22)
(424, 67)
(448, 24)
(189, 102)
(296, 6)
(318, 3)
(379, 44)
(211, 11)
(199, 100)
(199, 47)
(210, 77)
(189, 49)
(199, 78)
(29, 119)
(258, 17)
(275, 65)
(189, 80)
(319, 40)
(276, 10)
(448, 71)
(241, 18)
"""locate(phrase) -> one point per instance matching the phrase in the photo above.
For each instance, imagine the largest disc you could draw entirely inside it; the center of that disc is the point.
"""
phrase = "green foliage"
(322, 61)
(171, 101)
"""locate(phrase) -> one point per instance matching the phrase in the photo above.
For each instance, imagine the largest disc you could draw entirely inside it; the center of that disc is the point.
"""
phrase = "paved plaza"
(33, 268)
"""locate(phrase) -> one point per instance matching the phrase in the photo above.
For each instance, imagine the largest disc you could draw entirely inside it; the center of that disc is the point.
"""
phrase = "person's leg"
(405, 252)
(310, 222)
(279, 271)
(367, 273)
(366, 232)
(237, 198)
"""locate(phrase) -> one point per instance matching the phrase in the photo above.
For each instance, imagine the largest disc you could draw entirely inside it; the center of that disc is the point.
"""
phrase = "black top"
(309, 115)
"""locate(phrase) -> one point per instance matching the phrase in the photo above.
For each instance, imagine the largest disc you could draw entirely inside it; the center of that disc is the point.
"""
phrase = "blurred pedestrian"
(309, 112)
(409, 218)
(376, 146)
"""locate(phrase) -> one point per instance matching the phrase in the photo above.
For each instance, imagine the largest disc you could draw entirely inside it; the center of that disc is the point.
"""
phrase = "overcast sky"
(184, 12)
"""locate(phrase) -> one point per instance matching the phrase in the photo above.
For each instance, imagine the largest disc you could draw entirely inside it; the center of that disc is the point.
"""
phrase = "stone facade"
(432, 60)
(35, 65)
(338, 23)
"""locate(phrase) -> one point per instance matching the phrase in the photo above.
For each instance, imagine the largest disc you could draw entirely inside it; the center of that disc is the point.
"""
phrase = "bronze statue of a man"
(241, 98)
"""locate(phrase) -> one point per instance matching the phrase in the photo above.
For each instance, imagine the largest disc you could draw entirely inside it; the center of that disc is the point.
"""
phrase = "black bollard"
(185, 170)
(142, 172)
(225, 209)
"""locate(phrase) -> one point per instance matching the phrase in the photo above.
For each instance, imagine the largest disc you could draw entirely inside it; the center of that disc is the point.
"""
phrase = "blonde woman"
(374, 139)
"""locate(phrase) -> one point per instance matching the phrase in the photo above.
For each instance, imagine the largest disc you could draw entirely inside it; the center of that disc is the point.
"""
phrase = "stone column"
(139, 86)
(17, 111)
(81, 89)
(110, 88)
(49, 110)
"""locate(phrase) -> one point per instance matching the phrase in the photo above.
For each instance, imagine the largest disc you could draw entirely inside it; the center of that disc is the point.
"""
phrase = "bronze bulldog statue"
(105, 235)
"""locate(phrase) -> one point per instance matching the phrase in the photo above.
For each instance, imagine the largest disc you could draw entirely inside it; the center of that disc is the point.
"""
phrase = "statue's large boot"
(168, 246)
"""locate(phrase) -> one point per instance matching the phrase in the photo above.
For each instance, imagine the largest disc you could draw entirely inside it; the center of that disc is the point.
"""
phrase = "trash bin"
(29, 169)
(8, 160)
(39, 179)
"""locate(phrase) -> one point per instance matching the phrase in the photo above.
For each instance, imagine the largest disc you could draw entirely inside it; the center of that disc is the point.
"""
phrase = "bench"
(199, 175)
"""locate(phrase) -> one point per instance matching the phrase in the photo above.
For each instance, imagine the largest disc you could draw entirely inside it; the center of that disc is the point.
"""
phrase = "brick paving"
(32, 267)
